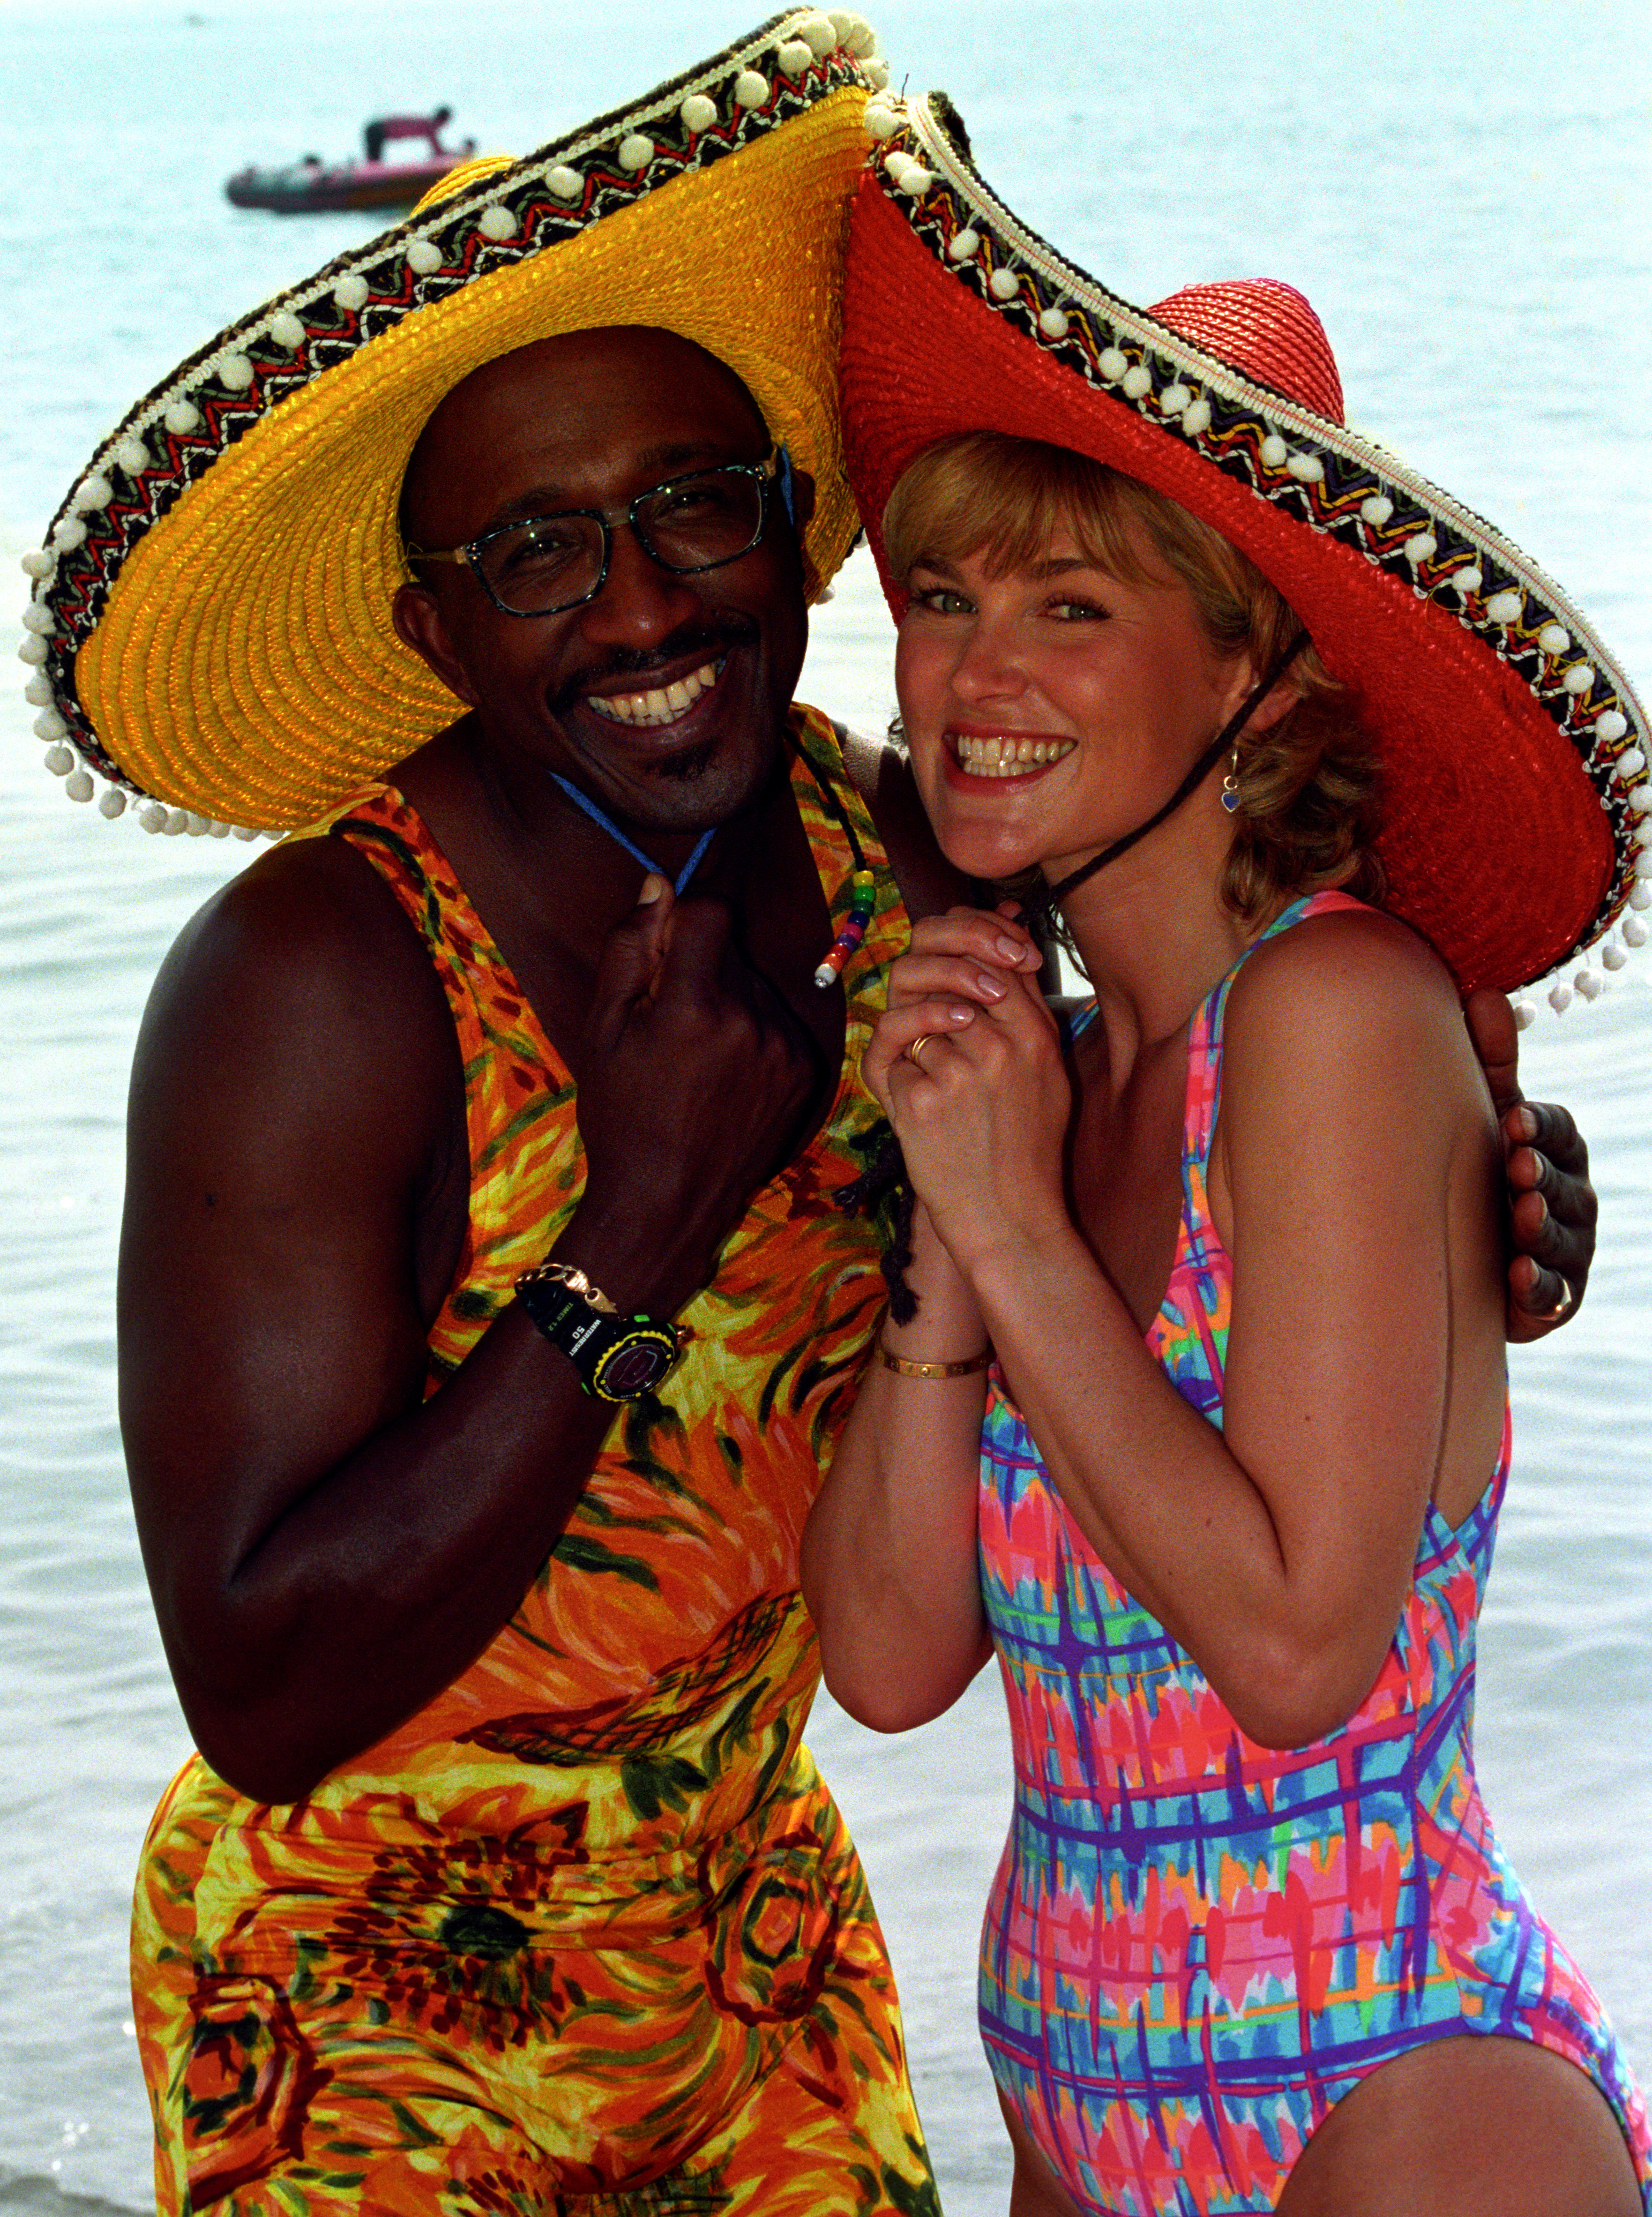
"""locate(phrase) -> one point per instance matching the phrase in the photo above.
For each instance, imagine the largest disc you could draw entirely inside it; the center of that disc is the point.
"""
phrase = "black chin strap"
(1031, 912)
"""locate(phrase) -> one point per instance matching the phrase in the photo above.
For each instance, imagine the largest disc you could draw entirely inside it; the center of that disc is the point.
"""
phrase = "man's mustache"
(706, 640)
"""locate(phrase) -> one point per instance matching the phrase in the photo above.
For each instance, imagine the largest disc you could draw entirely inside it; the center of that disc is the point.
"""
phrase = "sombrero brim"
(1514, 764)
(222, 578)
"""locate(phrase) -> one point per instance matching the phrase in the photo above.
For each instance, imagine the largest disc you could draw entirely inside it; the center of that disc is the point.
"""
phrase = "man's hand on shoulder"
(1552, 1206)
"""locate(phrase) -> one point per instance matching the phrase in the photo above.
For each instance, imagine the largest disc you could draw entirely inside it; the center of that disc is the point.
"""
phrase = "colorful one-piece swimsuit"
(1196, 1945)
(587, 1933)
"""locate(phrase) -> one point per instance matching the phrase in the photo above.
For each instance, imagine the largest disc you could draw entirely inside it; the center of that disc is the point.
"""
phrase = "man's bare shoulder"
(301, 978)
(881, 774)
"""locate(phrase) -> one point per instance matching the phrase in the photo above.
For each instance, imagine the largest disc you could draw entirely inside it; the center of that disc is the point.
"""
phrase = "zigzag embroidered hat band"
(210, 626)
(1517, 831)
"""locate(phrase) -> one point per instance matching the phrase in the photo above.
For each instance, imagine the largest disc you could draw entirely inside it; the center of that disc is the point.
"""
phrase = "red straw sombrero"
(1489, 699)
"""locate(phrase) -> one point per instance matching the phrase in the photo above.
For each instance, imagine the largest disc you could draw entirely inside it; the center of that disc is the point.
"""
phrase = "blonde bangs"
(1002, 498)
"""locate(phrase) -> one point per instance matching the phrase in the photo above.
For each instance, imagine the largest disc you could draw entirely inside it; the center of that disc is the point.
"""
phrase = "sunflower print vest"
(605, 1841)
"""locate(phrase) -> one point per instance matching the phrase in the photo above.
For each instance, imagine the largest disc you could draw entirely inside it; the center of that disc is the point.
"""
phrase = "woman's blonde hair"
(1307, 800)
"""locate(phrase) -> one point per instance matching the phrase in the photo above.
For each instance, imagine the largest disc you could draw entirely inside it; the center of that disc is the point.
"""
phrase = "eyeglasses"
(547, 564)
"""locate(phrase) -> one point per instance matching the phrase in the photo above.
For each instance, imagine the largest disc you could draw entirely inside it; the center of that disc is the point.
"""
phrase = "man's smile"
(659, 704)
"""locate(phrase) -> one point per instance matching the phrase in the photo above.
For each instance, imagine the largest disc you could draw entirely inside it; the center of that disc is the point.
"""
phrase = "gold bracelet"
(903, 1368)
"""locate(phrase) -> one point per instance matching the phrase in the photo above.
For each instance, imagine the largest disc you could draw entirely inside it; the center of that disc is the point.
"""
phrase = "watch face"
(634, 1368)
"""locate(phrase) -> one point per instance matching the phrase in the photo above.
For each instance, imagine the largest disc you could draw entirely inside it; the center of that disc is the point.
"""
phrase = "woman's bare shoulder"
(1348, 1023)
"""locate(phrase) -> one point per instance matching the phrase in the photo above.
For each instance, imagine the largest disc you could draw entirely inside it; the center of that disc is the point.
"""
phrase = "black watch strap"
(619, 1357)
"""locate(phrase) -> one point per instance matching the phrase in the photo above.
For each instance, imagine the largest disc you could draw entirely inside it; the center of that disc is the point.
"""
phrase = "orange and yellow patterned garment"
(587, 1933)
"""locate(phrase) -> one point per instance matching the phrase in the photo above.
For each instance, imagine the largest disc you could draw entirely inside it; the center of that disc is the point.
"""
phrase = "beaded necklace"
(863, 886)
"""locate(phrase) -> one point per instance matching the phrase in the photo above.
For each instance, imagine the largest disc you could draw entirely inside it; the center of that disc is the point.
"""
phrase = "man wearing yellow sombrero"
(489, 1304)
(472, 1443)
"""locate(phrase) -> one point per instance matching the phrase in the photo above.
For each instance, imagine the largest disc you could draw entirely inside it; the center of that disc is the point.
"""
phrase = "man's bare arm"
(327, 1549)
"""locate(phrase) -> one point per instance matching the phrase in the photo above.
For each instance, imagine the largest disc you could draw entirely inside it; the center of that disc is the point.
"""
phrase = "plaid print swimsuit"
(1196, 1945)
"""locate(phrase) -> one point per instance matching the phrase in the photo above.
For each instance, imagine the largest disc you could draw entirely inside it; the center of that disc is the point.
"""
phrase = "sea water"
(1462, 189)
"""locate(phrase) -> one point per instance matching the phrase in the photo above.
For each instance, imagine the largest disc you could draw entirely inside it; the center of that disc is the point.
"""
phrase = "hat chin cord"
(1033, 910)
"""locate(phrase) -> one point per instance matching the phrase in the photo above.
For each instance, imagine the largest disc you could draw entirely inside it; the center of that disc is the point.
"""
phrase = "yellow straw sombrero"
(210, 627)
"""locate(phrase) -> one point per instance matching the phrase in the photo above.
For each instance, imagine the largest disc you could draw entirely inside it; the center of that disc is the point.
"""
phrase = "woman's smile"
(978, 754)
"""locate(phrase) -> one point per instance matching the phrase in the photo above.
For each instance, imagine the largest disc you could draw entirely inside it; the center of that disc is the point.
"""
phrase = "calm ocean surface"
(1462, 189)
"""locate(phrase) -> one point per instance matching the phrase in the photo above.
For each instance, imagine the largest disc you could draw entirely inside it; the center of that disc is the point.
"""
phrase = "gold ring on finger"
(913, 1053)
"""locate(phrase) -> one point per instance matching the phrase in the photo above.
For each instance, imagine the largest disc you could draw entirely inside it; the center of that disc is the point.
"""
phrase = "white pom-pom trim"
(697, 112)
(567, 184)
(1560, 997)
(92, 492)
(1138, 381)
(351, 292)
(795, 57)
(880, 123)
(38, 692)
(820, 32)
(1526, 1015)
(1310, 470)
(636, 152)
(177, 820)
(1589, 983)
(1196, 418)
(32, 651)
(1173, 399)
(1052, 322)
(498, 223)
(37, 618)
(1504, 608)
(198, 826)
(287, 330)
(965, 246)
(1640, 897)
(1610, 724)
(1554, 639)
(423, 257)
(1421, 546)
(1579, 677)
(1612, 955)
(234, 370)
(1275, 452)
(50, 725)
(1112, 364)
(750, 89)
(855, 34)
(1634, 931)
(60, 760)
(38, 563)
(245, 832)
(182, 417)
(78, 785)
(133, 456)
(1466, 580)
(68, 534)
(1643, 864)
(875, 71)
(1003, 284)
(1377, 510)
(1631, 763)
(113, 804)
(152, 816)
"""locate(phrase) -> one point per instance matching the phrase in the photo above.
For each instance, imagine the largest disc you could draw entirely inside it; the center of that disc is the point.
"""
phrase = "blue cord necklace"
(598, 816)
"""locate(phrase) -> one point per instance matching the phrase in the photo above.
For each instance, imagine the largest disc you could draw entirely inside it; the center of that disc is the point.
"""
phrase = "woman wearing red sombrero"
(1233, 692)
